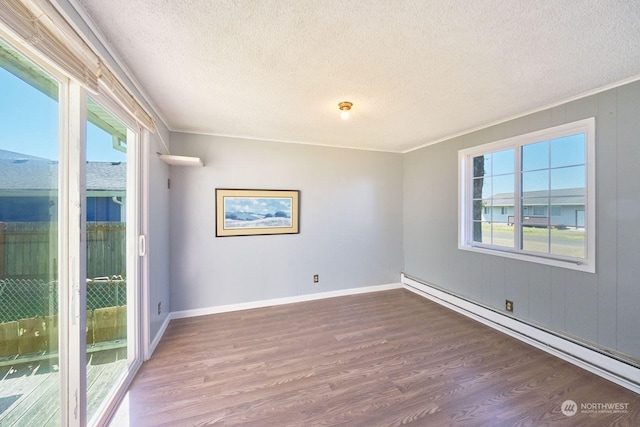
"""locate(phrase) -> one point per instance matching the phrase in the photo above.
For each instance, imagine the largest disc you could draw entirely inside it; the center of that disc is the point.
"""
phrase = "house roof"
(564, 196)
(106, 176)
(41, 174)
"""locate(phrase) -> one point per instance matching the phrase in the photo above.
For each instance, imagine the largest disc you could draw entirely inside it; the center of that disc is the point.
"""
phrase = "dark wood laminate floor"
(379, 359)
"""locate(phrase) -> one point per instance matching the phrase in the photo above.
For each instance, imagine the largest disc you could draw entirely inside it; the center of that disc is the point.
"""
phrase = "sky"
(257, 205)
(29, 124)
(564, 156)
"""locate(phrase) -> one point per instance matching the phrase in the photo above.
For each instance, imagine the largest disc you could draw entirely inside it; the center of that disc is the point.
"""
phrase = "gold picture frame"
(241, 212)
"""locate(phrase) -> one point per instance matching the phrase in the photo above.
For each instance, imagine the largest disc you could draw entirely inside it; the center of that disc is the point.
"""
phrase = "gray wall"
(350, 221)
(158, 234)
(600, 308)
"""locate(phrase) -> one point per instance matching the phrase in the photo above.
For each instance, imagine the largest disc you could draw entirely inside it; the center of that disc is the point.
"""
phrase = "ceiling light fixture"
(345, 107)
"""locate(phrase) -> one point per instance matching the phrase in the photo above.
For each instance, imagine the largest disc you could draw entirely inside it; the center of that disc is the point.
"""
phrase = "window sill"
(586, 265)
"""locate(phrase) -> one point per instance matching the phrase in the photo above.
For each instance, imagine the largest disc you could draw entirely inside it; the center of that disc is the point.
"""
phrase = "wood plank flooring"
(379, 359)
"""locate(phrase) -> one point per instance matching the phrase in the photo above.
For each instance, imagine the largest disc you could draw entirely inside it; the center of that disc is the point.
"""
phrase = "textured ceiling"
(416, 71)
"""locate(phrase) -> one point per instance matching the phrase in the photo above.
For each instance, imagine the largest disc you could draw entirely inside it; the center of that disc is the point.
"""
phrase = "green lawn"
(568, 242)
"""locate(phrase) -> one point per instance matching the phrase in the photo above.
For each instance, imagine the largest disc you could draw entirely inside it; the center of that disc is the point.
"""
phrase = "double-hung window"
(532, 197)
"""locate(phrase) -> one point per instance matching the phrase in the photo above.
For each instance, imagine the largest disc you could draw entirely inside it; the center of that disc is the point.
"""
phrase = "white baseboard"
(280, 301)
(158, 337)
(607, 367)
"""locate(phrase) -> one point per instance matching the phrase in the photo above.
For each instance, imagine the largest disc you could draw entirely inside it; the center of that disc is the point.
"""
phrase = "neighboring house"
(566, 207)
(28, 186)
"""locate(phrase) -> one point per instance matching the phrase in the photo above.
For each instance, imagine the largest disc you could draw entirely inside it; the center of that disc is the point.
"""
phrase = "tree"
(478, 171)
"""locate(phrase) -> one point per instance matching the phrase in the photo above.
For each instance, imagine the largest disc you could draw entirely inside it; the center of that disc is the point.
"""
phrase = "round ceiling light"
(345, 107)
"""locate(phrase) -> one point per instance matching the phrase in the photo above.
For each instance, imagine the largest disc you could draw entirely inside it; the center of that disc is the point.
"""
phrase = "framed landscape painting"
(256, 212)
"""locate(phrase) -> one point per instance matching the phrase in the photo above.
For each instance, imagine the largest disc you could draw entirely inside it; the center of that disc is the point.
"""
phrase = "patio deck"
(29, 387)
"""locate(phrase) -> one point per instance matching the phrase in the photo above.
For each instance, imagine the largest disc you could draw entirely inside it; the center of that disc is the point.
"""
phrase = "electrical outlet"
(159, 308)
(509, 306)
(316, 278)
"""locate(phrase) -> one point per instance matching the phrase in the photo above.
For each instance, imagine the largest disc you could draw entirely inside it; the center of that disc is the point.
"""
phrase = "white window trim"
(465, 170)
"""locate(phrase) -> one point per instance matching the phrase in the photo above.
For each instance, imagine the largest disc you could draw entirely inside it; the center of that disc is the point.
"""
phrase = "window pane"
(535, 201)
(29, 374)
(568, 151)
(482, 165)
(568, 241)
(502, 234)
(535, 181)
(568, 178)
(535, 156)
(107, 283)
(503, 186)
(535, 239)
(478, 208)
(568, 200)
(503, 162)
(502, 209)
(482, 232)
(562, 215)
(534, 207)
(572, 209)
(481, 188)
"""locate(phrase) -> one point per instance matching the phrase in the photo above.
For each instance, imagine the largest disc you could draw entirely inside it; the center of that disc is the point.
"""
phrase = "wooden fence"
(40, 334)
(30, 250)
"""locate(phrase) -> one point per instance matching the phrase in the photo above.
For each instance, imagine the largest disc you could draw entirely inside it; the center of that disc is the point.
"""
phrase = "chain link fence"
(26, 298)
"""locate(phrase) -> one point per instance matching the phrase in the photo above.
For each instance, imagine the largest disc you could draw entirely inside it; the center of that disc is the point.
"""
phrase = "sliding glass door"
(110, 263)
(69, 286)
(29, 357)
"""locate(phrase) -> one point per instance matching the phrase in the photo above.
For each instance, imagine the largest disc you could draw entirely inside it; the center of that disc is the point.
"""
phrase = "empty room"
(314, 213)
